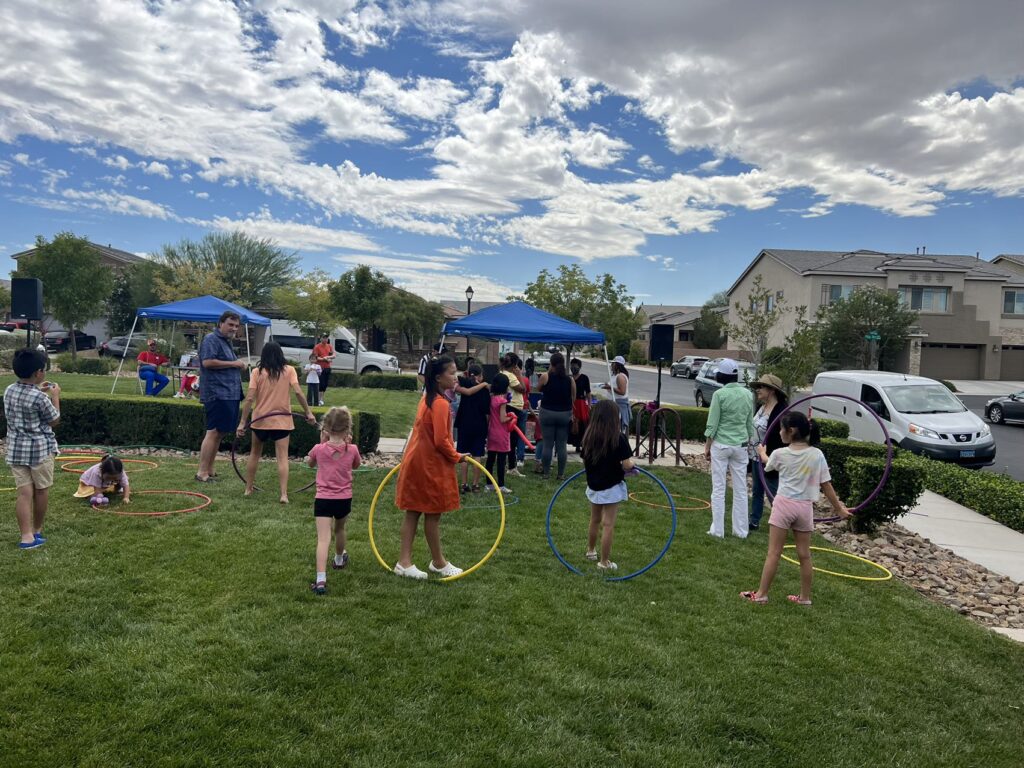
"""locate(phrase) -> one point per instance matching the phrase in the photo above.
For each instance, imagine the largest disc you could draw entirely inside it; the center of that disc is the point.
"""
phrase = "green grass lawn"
(194, 640)
(397, 409)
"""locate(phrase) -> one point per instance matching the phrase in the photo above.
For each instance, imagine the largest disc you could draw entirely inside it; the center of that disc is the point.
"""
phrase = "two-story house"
(971, 312)
(682, 319)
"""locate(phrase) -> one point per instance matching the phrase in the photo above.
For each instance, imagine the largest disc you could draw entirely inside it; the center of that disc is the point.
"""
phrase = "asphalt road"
(644, 384)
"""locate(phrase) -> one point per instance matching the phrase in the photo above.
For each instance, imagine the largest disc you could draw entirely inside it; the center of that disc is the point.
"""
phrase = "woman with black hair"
(270, 386)
(427, 485)
(619, 387)
(580, 404)
(556, 412)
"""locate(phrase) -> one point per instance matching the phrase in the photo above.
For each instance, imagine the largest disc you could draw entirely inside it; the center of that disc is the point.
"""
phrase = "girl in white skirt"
(607, 458)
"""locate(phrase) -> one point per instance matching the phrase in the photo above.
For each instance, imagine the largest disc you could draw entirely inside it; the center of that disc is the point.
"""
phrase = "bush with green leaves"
(899, 495)
(997, 496)
(97, 366)
(136, 420)
(389, 381)
(637, 353)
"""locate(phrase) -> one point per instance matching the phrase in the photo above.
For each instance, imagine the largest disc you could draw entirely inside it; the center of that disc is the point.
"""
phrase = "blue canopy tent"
(202, 309)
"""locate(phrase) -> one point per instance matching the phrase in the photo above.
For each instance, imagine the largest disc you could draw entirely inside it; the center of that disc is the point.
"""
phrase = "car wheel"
(995, 414)
(370, 369)
(700, 400)
(672, 372)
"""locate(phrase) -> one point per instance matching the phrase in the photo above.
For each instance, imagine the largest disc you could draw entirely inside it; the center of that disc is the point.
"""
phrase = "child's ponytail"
(806, 430)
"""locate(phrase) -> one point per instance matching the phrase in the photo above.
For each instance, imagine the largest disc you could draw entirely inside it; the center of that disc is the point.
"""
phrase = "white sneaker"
(448, 570)
(178, 394)
(514, 473)
(505, 490)
(609, 567)
(592, 555)
(489, 488)
(411, 572)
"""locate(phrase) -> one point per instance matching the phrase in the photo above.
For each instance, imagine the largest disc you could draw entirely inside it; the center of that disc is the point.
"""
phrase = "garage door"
(1013, 364)
(951, 361)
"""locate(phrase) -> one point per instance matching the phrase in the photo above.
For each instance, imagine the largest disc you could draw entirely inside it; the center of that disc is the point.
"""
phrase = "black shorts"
(336, 508)
(271, 435)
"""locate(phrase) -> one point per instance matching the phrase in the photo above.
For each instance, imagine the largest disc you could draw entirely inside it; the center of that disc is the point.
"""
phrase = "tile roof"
(873, 262)
(114, 254)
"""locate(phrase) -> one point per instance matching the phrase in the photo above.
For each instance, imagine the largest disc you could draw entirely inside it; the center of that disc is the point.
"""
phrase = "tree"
(306, 301)
(846, 322)
(709, 329)
(186, 280)
(5, 299)
(613, 313)
(360, 297)
(133, 288)
(798, 361)
(76, 284)
(718, 299)
(249, 267)
(408, 316)
(755, 321)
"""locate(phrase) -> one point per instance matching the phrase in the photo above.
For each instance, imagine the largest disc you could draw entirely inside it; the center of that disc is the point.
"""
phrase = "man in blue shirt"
(220, 389)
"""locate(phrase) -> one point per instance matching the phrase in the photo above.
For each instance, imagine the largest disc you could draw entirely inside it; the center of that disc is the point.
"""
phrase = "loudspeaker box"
(27, 298)
(661, 342)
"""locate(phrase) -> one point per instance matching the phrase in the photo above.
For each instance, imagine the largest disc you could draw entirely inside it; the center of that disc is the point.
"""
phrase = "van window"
(343, 346)
(296, 342)
(873, 399)
(924, 398)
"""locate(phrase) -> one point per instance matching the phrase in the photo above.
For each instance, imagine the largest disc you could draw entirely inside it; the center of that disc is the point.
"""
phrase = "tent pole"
(248, 351)
(123, 354)
(607, 364)
(170, 352)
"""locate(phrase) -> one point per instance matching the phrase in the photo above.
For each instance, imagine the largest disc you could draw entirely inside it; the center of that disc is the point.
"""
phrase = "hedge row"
(993, 495)
(345, 380)
(136, 420)
(92, 365)
(695, 422)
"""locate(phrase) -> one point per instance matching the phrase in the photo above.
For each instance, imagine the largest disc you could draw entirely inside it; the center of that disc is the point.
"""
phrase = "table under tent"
(202, 309)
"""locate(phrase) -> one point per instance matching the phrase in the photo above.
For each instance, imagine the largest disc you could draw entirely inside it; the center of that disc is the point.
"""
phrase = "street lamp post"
(469, 309)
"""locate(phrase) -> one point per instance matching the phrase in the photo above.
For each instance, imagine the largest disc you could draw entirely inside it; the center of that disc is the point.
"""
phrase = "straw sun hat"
(769, 380)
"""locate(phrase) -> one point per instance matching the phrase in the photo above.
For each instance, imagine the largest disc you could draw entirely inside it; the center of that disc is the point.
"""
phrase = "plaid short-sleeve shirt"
(29, 413)
(218, 383)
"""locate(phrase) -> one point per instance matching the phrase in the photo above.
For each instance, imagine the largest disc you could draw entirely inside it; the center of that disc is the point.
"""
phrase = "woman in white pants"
(730, 430)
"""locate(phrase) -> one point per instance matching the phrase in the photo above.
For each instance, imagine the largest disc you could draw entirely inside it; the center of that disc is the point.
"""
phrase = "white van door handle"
(859, 413)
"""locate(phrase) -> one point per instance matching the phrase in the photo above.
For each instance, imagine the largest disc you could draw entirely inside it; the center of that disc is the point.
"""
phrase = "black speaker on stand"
(27, 302)
(660, 349)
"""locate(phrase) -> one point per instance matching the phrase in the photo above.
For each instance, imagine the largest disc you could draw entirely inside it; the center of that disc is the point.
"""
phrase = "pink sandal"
(796, 599)
(752, 597)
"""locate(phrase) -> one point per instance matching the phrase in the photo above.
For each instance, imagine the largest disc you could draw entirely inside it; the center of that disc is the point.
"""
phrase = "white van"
(921, 415)
(297, 349)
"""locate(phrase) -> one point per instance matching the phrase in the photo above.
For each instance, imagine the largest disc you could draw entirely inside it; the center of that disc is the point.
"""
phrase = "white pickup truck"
(297, 348)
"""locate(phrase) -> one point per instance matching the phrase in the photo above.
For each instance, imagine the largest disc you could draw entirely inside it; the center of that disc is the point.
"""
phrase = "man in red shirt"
(149, 368)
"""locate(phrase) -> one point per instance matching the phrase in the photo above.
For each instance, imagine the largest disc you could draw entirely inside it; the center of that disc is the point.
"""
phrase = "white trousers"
(731, 458)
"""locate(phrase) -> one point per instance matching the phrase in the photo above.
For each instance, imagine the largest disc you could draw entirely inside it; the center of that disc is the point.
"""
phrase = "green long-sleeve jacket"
(731, 419)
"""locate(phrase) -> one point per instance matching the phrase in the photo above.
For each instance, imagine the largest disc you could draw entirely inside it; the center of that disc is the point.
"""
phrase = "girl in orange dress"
(427, 484)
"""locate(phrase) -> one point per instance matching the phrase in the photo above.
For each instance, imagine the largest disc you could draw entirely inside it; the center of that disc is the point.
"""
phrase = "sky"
(458, 143)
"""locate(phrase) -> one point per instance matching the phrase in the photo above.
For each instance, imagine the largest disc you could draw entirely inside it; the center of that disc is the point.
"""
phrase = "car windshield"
(929, 398)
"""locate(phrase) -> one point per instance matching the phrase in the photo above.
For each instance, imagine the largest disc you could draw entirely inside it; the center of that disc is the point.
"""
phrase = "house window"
(769, 303)
(1013, 302)
(830, 294)
(684, 336)
(925, 299)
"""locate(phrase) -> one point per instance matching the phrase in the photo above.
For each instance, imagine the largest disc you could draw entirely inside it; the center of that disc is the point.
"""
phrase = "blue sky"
(456, 143)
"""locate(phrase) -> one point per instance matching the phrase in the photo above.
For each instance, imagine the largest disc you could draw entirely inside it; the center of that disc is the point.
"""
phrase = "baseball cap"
(728, 366)
(619, 359)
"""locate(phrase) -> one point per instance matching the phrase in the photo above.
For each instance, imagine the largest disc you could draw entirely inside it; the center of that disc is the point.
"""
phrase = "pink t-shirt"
(334, 464)
(497, 430)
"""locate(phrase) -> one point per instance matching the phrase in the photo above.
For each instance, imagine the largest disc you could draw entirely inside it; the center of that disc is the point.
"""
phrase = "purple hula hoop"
(234, 447)
(888, 455)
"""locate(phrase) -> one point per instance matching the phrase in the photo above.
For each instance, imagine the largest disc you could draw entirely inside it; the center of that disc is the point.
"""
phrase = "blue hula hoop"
(628, 576)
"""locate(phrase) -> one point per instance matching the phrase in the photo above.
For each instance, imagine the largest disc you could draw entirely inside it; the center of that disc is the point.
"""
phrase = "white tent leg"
(170, 352)
(123, 354)
(608, 365)
(248, 351)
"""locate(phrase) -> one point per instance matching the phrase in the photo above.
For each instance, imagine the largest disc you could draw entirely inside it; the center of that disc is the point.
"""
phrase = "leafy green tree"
(5, 299)
(798, 361)
(718, 299)
(709, 329)
(613, 313)
(249, 267)
(76, 284)
(846, 322)
(409, 317)
(306, 302)
(755, 321)
(360, 298)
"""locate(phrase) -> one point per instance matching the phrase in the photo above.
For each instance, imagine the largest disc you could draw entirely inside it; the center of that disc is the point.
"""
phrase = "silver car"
(687, 366)
(705, 385)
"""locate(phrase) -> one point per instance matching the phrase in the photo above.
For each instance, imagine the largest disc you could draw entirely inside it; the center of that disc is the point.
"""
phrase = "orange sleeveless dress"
(426, 481)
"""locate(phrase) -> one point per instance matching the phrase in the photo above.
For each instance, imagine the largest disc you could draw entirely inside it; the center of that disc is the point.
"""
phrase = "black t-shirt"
(607, 472)
(583, 387)
(473, 409)
(557, 393)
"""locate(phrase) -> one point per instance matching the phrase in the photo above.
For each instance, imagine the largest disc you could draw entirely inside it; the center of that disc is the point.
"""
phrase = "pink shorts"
(795, 514)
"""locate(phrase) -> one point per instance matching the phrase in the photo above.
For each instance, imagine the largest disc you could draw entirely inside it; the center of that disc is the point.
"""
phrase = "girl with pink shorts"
(803, 476)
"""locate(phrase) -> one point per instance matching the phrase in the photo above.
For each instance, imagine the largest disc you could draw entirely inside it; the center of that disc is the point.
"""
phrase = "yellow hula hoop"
(882, 568)
(707, 504)
(494, 546)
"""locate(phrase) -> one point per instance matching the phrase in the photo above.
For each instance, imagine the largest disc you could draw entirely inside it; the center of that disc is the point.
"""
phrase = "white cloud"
(156, 169)
(433, 280)
(427, 98)
(203, 195)
(116, 202)
(22, 159)
(292, 234)
(465, 250)
(647, 163)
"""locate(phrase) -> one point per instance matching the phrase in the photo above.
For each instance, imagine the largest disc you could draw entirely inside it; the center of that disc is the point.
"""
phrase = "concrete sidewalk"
(987, 388)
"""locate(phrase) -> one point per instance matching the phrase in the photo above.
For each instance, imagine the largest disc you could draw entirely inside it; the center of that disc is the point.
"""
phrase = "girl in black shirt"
(606, 458)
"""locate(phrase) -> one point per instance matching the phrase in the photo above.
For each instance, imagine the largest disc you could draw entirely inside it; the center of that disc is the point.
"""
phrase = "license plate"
(966, 454)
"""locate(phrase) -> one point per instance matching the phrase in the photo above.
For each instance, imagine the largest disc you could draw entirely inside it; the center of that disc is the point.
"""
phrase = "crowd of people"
(459, 416)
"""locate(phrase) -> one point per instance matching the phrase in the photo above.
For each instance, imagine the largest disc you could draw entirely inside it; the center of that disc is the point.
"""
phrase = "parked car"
(687, 366)
(999, 409)
(60, 341)
(705, 385)
(297, 347)
(920, 414)
(115, 347)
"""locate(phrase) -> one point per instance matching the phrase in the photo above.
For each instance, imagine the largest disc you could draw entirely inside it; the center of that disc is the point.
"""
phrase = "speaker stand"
(657, 398)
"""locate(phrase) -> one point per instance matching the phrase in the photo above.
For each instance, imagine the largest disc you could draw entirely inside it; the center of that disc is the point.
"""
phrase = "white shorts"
(614, 495)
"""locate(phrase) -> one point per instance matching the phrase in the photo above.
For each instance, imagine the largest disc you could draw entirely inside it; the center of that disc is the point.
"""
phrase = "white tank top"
(616, 395)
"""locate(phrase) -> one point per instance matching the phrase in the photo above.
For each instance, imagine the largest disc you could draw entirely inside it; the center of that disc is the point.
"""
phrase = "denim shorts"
(614, 495)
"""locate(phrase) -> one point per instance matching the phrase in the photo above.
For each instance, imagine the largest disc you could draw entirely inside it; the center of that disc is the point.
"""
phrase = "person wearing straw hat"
(729, 431)
(771, 402)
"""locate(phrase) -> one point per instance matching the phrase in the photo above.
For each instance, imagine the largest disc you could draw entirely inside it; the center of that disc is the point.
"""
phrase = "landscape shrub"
(637, 353)
(949, 385)
(137, 420)
(997, 496)
(390, 381)
(840, 453)
(898, 496)
(694, 421)
(96, 366)
(833, 428)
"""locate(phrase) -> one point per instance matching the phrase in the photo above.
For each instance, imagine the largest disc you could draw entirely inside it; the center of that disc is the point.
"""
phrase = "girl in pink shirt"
(334, 459)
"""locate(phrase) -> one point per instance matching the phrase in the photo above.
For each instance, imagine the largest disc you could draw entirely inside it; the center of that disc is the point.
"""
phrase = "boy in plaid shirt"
(32, 411)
